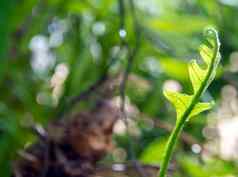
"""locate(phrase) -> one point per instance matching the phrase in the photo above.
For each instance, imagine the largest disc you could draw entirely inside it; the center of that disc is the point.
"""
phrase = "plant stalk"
(182, 120)
(170, 148)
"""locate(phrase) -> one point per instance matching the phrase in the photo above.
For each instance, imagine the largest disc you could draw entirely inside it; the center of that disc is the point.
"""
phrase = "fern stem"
(180, 124)
(170, 148)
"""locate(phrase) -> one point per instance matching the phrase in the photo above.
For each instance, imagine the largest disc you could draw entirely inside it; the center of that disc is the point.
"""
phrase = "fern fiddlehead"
(186, 105)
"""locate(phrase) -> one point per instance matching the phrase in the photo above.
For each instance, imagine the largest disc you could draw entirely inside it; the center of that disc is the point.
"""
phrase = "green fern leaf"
(188, 105)
(200, 107)
(179, 100)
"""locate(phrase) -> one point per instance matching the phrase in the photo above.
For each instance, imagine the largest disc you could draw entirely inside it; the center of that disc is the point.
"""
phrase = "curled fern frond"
(200, 79)
(187, 105)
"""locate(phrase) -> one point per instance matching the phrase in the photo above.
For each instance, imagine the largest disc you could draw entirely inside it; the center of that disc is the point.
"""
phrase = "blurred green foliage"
(84, 35)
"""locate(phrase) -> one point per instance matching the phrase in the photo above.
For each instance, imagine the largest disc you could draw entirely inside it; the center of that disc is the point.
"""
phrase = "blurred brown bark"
(71, 148)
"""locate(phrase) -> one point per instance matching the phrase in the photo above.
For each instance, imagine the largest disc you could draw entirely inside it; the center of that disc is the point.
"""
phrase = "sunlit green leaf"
(200, 107)
(187, 105)
(179, 100)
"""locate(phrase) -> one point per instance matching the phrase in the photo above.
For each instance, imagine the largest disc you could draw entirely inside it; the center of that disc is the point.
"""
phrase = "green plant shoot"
(186, 105)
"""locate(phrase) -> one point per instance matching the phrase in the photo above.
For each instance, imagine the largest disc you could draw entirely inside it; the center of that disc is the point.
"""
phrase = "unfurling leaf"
(200, 107)
(179, 100)
(188, 105)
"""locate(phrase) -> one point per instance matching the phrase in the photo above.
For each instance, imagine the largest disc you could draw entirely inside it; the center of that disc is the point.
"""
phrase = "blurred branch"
(186, 138)
(86, 93)
(75, 28)
(132, 52)
(73, 100)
